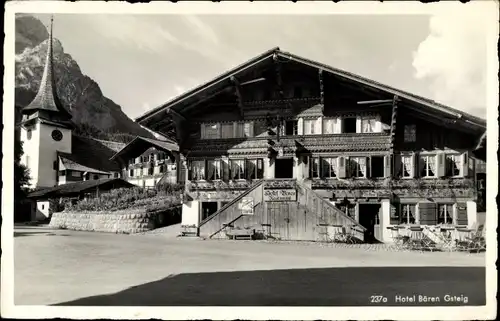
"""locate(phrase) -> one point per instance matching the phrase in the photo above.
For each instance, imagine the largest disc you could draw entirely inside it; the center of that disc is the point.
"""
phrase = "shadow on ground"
(303, 287)
(17, 234)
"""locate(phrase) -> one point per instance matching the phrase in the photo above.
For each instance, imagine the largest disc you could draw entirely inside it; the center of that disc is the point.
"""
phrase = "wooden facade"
(369, 155)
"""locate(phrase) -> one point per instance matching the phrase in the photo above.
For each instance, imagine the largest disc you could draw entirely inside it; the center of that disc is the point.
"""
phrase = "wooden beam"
(321, 90)
(393, 122)
(207, 97)
(236, 85)
(279, 79)
(176, 114)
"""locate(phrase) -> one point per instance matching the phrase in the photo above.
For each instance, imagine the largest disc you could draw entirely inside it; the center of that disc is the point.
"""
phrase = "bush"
(163, 197)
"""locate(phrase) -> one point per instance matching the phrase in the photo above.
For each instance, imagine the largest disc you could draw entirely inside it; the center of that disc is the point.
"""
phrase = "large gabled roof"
(277, 53)
(140, 144)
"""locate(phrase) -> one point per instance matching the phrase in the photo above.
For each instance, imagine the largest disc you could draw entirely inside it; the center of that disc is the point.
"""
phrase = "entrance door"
(207, 209)
(369, 218)
(283, 168)
(278, 219)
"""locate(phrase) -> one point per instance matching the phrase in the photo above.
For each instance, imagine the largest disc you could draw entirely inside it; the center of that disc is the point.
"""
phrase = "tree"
(21, 178)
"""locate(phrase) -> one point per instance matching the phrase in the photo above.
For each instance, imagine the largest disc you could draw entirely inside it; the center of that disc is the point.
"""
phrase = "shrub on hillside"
(131, 198)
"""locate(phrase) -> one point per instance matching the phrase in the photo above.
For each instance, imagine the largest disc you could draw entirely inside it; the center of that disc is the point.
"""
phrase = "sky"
(142, 61)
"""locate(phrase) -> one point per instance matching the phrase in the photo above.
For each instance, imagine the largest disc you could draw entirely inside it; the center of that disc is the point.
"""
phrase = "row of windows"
(407, 214)
(359, 167)
(452, 165)
(217, 169)
(317, 126)
(148, 158)
(146, 171)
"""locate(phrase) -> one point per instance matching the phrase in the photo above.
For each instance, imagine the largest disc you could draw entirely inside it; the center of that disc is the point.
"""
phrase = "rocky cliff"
(78, 92)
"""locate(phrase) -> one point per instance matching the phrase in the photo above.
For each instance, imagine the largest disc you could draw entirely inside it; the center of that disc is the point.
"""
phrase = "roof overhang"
(414, 102)
(141, 144)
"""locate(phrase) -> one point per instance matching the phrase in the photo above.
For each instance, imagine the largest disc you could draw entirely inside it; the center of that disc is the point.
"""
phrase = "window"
(357, 167)
(62, 173)
(330, 126)
(445, 214)
(76, 174)
(151, 170)
(28, 134)
(198, 170)
(349, 125)
(291, 127)
(162, 168)
(368, 124)
(255, 168)
(407, 166)
(377, 166)
(428, 166)
(151, 157)
(210, 131)
(96, 177)
(453, 165)
(329, 167)
(227, 130)
(214, 169)
(131, 161)
(410, 133)
(408, 213)
(131, 173)
(244, 130)
(237, 168)
(116, 175)
(310, 127)
(314, 168)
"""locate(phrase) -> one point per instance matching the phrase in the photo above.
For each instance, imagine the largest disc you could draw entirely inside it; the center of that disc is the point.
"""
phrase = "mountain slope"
(78, 92)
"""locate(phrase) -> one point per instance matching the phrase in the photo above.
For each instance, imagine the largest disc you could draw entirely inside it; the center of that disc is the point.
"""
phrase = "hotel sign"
(274, 195)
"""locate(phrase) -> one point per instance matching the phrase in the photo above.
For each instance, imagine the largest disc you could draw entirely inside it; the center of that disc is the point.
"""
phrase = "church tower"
(46, 128)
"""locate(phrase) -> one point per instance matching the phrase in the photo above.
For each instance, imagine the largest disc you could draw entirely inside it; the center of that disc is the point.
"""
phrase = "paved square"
(60, 266)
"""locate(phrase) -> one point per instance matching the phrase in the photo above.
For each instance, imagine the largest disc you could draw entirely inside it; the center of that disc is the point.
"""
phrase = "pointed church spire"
(46, 102)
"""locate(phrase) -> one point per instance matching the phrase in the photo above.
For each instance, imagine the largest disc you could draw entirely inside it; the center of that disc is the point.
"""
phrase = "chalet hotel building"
(311, 146)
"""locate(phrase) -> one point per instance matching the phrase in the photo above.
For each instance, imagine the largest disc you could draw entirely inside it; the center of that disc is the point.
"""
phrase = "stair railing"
(310, 198)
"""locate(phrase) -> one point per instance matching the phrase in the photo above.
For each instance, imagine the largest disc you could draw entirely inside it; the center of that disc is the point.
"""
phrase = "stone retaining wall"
(126, 221)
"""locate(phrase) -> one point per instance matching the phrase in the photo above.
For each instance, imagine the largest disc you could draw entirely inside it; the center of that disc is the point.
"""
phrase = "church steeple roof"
(46, 103)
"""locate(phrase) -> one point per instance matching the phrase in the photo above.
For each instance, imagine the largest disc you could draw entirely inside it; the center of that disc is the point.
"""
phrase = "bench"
(240, 233)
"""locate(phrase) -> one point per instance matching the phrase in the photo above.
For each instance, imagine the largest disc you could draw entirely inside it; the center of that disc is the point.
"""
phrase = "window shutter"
(225, 169)
(398, 166)
(394, 218)
(415, 167)
(462, 214)
(441, 165)
(427, 213)
(358, 125)
(368, 163)
(202, 131)
(465, 164)
(189, 170)
(250, 130)
(387, 166)
(342, 167)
